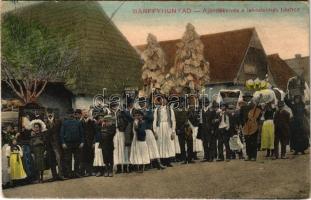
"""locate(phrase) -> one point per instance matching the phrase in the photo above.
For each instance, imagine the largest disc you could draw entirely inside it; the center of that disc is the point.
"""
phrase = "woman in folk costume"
(98, 162)
(38, 147)
(139, 148)
(14, 153)
(164, 128)
(299, 140)
(150, 138)
(120, 156)
(194, 119)
(267, 130)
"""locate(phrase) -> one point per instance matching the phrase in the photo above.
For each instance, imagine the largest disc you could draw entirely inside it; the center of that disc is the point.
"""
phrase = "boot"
(106, 173)
(159, 165)
(119, 169)
(110, 172)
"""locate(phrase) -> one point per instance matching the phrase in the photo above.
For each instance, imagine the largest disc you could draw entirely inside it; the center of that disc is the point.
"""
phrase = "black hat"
(215, 104)
(223, 104)
(114, 103)
(138, 112)
(70, 111)
(78, 111)
(49, 110)
(281, 104)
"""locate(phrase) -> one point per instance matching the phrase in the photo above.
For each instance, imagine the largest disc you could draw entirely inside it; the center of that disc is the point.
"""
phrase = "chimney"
(298, 56)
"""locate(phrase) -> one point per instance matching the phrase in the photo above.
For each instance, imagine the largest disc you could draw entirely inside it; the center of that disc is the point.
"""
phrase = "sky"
(283, 28)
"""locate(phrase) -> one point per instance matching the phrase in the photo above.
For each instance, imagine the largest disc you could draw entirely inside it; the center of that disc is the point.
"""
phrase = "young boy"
(104, 137)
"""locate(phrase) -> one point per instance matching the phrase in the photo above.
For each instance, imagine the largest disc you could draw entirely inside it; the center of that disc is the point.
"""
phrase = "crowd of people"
(136, 138)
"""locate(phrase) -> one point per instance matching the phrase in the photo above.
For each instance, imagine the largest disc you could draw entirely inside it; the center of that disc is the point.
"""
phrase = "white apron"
(152, 145)
(139, 152)
(4, 165)
(98, 156)
(177, 147)
(119, 157)
(197, 144)
(166, 145)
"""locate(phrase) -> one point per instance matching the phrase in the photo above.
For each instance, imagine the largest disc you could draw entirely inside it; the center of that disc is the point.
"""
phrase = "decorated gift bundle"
(189, 71)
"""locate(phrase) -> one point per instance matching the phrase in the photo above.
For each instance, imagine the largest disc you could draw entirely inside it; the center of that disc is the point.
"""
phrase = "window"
(249, 68)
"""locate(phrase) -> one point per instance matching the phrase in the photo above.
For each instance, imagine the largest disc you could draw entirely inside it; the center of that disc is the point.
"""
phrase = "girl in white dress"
(139, 150)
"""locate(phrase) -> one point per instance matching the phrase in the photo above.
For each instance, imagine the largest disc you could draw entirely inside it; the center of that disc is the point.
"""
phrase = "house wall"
(255, 62)
(301, 65)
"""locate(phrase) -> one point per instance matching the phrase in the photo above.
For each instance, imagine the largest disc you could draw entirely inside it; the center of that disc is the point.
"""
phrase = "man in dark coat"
(72, 140)
(181, 120)
(53, 145)
(223, 134)
(194, 119)
(281, 125)
(207, 130)
(250, 140)
(104, 136)
(87, 154)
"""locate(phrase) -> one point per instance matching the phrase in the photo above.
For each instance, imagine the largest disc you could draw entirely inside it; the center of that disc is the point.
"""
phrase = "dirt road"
(235, 179)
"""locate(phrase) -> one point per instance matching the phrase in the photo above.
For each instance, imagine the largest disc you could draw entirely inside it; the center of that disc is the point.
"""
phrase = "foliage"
(32, 56)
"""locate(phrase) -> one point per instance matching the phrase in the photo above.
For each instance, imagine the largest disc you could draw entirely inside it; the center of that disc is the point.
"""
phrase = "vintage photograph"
(155, 99)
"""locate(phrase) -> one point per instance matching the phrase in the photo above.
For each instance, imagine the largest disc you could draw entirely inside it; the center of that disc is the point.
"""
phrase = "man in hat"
(223, 133)
(87, 153)
(208, 130)
(251, 141)
(164, 126)
(282, 130)
(181, 121)
(53, 144)
(105, 137)
(72, 140)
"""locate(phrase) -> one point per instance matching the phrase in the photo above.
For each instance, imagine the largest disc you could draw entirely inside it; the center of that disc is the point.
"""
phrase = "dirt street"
(264, 178)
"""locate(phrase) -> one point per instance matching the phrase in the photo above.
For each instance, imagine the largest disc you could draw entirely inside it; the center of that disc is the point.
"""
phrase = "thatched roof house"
(105, 57)
(280, 71)
(104, 53)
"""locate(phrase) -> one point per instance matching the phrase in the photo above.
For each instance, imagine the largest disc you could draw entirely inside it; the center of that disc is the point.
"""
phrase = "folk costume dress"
(267, 131)
(139, 148)
(164, 126)
(120, 157)
(15, 155)
(150, 139)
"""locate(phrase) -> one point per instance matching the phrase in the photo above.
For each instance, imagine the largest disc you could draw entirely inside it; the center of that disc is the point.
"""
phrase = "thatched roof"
(224, 51)
(280, 71)
(106, 58)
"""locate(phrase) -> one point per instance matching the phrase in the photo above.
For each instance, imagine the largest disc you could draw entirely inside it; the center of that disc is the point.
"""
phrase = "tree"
(191, 70)
(154, 64)
(32, 56)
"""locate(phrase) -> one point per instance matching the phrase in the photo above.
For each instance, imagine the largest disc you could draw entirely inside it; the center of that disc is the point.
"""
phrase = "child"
(38, 147)
(139, 150)
(14, 155)
(105, 139)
